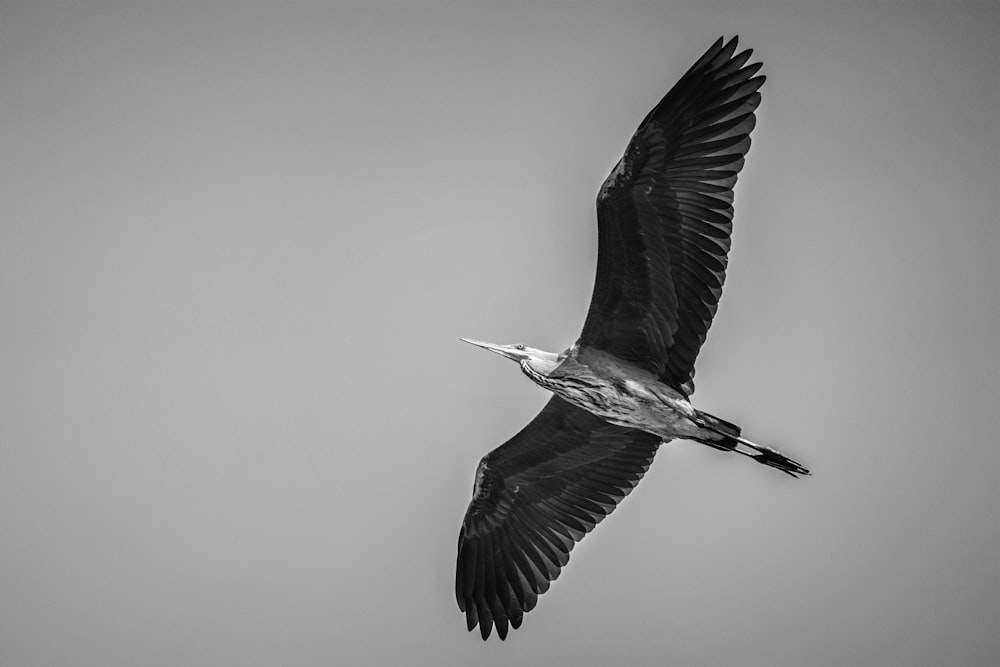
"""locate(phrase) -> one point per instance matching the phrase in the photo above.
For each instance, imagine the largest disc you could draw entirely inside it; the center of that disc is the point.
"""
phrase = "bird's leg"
(724, 435)
(770, 457)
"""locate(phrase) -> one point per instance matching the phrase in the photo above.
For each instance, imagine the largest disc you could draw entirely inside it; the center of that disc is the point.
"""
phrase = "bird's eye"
(518, 347)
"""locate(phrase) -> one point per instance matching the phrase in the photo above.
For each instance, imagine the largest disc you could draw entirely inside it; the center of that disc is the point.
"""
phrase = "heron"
(624, 387)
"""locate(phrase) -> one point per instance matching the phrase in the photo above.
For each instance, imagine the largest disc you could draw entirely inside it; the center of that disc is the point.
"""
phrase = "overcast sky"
(238, 246)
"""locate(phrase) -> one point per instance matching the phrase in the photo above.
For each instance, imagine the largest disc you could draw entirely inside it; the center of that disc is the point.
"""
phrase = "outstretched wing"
(665, 218)
(535, 497)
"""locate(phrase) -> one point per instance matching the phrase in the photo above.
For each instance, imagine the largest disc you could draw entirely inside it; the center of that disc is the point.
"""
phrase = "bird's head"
(540, 361)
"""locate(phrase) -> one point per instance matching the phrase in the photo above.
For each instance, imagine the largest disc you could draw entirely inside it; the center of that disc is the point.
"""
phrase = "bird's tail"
(726, 436)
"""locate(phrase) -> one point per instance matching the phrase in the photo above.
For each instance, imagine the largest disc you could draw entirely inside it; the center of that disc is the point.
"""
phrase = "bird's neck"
(540, 379)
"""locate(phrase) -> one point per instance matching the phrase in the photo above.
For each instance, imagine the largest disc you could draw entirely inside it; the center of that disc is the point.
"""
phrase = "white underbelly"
(639, 408)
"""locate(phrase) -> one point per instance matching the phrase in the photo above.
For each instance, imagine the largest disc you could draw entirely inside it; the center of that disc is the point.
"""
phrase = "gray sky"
(239, 243)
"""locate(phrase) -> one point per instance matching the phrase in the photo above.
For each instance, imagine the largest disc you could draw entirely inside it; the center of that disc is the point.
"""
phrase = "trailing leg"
(727, 438)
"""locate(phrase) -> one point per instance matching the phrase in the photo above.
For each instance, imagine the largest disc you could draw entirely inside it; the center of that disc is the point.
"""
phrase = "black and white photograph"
(264, 267)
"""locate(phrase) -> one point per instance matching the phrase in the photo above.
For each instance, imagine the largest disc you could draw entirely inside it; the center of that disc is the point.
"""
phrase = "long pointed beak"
(502, 350)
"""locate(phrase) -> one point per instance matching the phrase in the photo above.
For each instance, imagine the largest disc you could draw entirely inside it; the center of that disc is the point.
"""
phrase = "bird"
(624, 387)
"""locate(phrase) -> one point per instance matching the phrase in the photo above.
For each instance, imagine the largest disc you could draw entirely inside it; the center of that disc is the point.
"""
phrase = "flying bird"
(624, 387)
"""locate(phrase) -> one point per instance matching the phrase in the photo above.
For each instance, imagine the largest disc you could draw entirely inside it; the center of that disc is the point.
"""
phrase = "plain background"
(239, 243)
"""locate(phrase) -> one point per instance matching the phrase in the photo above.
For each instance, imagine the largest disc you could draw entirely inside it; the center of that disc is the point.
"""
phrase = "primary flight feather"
(664, 223)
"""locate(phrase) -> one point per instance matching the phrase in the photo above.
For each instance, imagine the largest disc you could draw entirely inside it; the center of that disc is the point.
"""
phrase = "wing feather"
(535, 497)
(665, 219)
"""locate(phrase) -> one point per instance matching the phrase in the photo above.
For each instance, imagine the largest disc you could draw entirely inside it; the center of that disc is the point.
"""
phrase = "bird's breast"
(630, 403)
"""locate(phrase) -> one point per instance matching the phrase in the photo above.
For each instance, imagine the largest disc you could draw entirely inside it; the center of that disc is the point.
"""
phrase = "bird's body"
(664, 222)
(619, 393)
(627, 395)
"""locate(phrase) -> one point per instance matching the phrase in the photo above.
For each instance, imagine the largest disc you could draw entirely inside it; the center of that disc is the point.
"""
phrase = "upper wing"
(665, 217)
(536, 496)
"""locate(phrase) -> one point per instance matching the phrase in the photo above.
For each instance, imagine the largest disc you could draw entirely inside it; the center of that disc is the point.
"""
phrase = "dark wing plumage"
(665, 218)
(535, 497)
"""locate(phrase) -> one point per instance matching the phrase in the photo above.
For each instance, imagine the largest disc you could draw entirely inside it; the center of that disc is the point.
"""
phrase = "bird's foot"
(775, 459)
